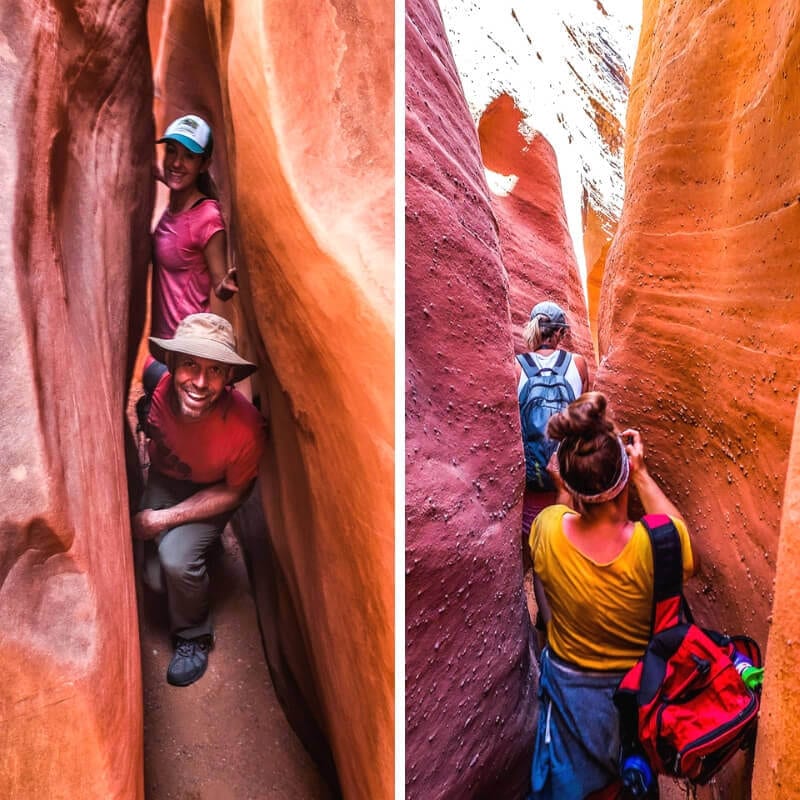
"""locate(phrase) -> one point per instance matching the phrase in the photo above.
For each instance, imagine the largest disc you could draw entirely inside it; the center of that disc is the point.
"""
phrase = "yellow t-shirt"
(600, 613)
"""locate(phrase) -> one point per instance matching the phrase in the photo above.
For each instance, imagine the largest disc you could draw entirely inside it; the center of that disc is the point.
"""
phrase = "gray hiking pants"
(175, 561)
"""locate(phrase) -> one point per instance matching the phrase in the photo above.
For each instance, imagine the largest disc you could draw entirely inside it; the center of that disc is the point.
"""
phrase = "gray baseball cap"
(552, 311)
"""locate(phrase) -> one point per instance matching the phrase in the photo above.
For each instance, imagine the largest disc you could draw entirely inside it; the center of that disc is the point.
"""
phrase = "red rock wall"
(469, 674)
(76, 141)
(534, 238)
(698, 322)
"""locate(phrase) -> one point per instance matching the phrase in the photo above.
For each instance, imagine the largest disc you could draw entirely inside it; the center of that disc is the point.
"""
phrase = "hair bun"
(584, 418)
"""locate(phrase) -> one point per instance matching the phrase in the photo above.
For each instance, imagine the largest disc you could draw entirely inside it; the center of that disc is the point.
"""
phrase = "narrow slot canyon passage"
(225, 737)
(273, 715)
(301, 102)
(690, 331)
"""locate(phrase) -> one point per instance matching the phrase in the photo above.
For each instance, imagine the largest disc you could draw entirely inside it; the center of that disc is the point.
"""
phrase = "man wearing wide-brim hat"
(205, 445)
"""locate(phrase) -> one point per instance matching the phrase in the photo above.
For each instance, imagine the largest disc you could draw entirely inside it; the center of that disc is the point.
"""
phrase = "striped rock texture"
(301, 101)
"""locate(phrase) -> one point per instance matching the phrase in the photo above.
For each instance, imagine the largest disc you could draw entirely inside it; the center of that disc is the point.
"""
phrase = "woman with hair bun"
(593, 579)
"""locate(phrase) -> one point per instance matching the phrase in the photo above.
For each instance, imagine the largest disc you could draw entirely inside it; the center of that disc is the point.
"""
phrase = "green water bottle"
(752, 676)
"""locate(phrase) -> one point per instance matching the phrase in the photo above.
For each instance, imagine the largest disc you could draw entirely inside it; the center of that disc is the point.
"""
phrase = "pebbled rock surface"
(470, 676)
(76, 130)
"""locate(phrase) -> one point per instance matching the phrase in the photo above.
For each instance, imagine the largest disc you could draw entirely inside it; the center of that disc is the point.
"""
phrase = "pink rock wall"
(77, 138)
(301, 99)
(534, 238)
(469, 674)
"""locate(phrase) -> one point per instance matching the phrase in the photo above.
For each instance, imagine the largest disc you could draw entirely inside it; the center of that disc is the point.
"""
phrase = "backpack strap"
(668, 600)
(529, 366)
(532, 369)
(562, 362)
(560, 367)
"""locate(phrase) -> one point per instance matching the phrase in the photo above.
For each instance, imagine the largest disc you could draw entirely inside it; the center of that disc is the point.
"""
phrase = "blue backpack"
(546, 392)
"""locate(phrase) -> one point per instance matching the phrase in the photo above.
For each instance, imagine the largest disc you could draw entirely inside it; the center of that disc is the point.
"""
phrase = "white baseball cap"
(193, 132)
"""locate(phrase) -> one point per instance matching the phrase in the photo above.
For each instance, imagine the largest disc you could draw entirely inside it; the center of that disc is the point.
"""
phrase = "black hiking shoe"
(189, 661)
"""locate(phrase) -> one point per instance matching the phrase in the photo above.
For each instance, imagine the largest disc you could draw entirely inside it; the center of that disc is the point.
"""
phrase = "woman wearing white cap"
(189, 245)
(544, 335)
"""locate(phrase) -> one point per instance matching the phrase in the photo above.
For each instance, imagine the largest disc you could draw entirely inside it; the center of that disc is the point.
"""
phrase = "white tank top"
(573, 377)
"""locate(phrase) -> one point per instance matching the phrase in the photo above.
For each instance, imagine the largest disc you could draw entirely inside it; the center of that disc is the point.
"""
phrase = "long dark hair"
(206, 185)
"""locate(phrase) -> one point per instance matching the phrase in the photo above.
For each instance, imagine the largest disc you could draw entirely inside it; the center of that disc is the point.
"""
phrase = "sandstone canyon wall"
(697, 342)
(470, 677)
(698, 320)
(75, 217)
(301, 102)
(565, 65)
(532, 222)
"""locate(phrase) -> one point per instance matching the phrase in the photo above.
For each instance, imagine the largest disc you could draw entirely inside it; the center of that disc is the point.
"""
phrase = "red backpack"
(684, 704)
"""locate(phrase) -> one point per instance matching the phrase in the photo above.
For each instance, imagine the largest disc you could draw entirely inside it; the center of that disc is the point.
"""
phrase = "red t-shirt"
(224, 445)
(181, 280)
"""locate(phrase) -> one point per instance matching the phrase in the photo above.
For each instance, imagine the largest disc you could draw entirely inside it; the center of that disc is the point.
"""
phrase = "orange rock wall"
(304, 158)
(698, 319)
(76, 137)
(302, 100)
(777, 762)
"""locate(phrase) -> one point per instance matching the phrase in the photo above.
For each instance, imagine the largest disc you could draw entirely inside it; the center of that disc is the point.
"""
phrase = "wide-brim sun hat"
(193, 132)
(553, 311)
(204, 336)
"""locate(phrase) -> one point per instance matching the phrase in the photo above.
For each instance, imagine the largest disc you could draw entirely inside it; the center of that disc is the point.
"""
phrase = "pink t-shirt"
(225, 445)
(181, 280)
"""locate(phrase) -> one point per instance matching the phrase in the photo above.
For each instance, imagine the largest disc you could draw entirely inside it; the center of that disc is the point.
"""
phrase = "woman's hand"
(654, 501)
(634, 447)
(563, 497)
(228, 286)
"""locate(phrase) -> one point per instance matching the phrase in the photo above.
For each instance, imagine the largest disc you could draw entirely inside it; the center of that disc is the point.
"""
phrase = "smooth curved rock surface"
(470, 676)
(534, 236)
(698, 323)
(70, 259)
(309, 147)
(316, 261)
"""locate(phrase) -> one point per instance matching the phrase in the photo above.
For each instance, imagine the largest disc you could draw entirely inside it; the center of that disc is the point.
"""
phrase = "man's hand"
(147, 524)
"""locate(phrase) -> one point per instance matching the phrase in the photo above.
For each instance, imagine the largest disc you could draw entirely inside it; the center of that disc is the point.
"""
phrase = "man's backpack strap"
(668, 600)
